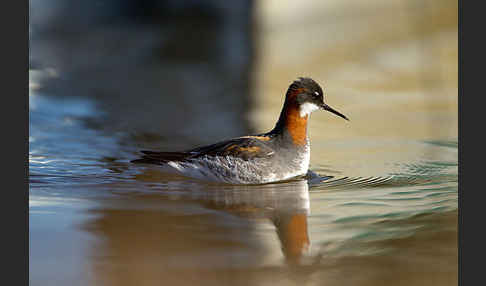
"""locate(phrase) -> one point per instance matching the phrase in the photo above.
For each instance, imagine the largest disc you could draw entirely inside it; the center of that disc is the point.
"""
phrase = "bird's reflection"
(292, 231)
(285, 205)
(171, 234)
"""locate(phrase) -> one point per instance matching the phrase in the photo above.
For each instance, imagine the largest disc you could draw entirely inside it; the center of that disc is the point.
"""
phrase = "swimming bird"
(280, 154)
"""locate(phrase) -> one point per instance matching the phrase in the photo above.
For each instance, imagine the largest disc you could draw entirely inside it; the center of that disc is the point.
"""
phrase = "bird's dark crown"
(306, 90)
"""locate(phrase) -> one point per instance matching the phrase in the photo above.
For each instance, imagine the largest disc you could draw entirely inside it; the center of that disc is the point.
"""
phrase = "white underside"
(237, 171)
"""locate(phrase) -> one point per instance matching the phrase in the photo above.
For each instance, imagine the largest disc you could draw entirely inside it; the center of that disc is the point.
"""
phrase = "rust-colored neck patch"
(290, 120)
(296, 125)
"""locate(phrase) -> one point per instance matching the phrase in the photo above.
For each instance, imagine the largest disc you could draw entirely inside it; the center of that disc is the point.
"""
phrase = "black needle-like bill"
(328, 108)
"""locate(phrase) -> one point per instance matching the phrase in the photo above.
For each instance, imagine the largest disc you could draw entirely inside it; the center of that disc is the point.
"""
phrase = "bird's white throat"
(307, 108)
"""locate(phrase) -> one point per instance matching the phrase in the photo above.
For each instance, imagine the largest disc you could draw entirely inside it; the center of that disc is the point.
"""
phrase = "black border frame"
(15, 140)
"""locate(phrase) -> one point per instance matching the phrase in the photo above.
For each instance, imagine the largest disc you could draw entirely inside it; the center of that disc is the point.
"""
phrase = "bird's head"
(308, 95)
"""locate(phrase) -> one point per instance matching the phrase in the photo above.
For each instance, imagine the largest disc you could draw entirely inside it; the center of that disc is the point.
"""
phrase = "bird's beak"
(328, 108)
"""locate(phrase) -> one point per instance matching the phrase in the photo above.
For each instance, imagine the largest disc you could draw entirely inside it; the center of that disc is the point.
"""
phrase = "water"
(98, 219)
(379, 208)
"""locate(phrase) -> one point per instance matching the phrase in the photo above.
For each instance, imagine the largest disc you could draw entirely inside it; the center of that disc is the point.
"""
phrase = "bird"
(281, 154)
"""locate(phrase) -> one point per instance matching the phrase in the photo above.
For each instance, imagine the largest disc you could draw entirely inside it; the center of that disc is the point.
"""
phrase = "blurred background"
(109, 78)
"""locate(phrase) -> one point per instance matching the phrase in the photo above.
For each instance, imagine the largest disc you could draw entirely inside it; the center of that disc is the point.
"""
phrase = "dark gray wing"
(245, 148)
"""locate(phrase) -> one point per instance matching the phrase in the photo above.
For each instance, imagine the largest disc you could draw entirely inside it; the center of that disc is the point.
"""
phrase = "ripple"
(360, 182)
(450, 144)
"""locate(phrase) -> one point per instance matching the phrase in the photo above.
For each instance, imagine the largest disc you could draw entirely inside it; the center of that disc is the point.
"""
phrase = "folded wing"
(245, 148)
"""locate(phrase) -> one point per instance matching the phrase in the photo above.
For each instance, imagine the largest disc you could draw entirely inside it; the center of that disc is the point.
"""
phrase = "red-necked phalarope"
(280, 154)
